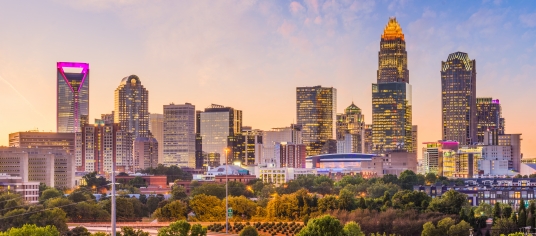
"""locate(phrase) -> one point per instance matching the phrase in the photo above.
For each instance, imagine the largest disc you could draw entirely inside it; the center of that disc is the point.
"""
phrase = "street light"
(226, 193)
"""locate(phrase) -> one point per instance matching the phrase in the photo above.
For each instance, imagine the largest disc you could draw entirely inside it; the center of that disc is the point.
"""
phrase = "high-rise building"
(132, 107)
(108, 118)
(391, 95)
(489, 117)
(46, 140)
(53, 167)
(145, 153)
(290, 155)
(72, 101)
(156, 127)
(432, 156)
(368, 145)
(291, 134)
(218, 127)
(352, 122)
(248, 149)
(458, 95)
(179, 135)
(414, 137)
(316, 110)
(100, 145)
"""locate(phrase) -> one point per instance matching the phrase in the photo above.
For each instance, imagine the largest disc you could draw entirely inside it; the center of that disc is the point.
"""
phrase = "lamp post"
(113, 210)
(226, 193)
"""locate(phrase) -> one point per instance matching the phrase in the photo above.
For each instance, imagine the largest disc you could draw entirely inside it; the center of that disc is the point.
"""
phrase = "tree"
(129, 231)
(503, 226)
(350, 180)
(210, 189)
(242, 206)
(429, 229)
(50, 193)
(460, 229)
(198, 230)
(178, 192)
(324, 225)
(207, 208)
(137, 182)
(451, 202)
(352, 229)
(78, 231)
(56, 217)
(522, 218)
(152, 202)
(178, 228)
(408, 199)
(379, 188)
(430, 178)
(328, 203)
(484, 209)
(249, 231)
(173, 211)
(91, 179)
(347, 200)
(408, 179)
(30, 229)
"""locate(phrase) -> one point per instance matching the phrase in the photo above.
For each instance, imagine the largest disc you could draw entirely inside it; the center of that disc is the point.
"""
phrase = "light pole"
(113, 199)
(226, 193)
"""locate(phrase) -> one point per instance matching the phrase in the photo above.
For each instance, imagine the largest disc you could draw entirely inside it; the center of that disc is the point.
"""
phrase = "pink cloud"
(313, 4)
(318, 20)
(286, 29)
(296, 7)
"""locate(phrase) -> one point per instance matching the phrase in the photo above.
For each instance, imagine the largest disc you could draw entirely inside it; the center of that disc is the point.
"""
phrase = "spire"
(352, 109)
(392, 30)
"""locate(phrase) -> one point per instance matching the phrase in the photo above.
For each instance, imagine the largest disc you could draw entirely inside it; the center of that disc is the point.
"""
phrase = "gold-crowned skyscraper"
(391, 95)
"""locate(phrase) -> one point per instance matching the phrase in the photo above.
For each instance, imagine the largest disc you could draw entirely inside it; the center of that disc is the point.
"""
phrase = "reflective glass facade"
(352, 122)
(391, 95)
(316, 110)
(179, 135)
(132, 107)
(72, 101)
(458, 95)
(391, 117)
(489, 117)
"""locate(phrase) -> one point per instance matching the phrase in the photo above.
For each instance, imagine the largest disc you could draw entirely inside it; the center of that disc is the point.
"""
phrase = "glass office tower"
(489, 117)
(132, 107)
(72, 101)
(316, 110)
(391, 95)
(458, 95)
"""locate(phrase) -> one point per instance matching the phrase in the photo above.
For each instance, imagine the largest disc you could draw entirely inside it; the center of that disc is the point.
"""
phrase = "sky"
(251, 55)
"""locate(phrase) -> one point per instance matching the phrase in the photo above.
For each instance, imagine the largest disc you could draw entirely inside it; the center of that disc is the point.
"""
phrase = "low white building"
(281, 175)
(28, 190)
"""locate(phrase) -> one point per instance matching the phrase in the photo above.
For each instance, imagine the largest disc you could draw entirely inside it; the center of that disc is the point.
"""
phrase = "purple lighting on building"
(84, 66)
(495, 101)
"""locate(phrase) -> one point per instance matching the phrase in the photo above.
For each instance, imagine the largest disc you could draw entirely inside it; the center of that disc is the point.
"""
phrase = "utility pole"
(113, 199)
(226, 194)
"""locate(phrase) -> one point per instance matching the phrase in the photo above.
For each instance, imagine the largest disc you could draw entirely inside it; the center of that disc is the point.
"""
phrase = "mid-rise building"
(28, 190)
(145, 153)
(217, 128)
(352, 122)
(291, 134)
(49, 140)
(156, 126)
(108, 118)
(72, 100)
(391, 95)
(290, 155)
(179, 135)
(316, 110)
(248, 147)
(132, 107)
(100, 145)
(489, 117)
(368, 145)
(52, 167)
(458, 96)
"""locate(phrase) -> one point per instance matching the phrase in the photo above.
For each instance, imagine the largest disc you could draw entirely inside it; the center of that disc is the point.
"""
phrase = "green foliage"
(408, 179)
(29, 229)
(379, 188)
(78, 231)
(91, 180)
(50, 193)
(173, 211)
(207, 208)
(346, 201)
(460, 229)
(324, 225)
(178, 193)
(198, 230)
(210, 189)
(352, 229)
(503, 226)
(173, 173)
(137, 182)
(56, 217)
(407, 199)
(129, 231)
(451, 202)
(152, 202)
(178, 228)
(249, 231)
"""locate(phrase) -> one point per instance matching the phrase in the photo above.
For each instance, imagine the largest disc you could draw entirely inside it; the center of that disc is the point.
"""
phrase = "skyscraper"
(156, 127)
(72, 101)
(218, 128)
(352, 122)
(316, 110)
(489, 117)
(391, 95)
(458, 96)
(132, 107)
(179, 135)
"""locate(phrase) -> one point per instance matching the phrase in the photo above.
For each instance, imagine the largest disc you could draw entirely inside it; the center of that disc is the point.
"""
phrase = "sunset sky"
(251, 55)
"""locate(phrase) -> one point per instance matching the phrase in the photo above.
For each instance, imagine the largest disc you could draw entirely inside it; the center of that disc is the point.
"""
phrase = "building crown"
(392, 30)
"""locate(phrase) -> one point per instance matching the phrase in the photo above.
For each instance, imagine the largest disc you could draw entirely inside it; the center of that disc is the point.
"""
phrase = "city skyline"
(297, 31)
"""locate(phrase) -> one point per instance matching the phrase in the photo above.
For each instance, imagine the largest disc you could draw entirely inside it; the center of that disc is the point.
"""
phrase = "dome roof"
(130, 78)
(352, 109)
(392, 30)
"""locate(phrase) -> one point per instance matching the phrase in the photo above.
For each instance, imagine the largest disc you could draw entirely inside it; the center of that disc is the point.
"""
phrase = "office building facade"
(352, 123)
(458, 99)
(131, 109)
(100, 145)
(290, 155)
(72, 100)
(145, 153)
(291, 134)
(179, 135)
(316, 110)
(46, 140)
(156, 126)
(218, 127)
(489, 117)
(248, 148)
(391, 95)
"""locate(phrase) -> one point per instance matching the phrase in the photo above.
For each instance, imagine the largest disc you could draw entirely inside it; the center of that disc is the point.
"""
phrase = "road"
(95, 229)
